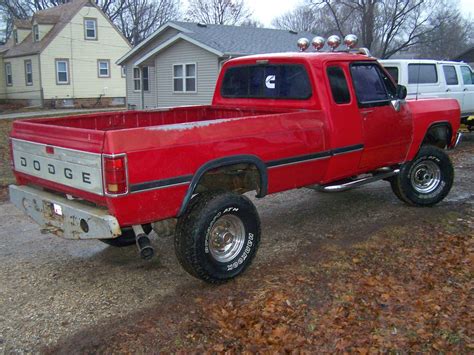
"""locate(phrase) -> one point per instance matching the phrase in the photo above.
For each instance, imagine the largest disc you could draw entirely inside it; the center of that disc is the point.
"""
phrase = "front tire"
(426, 180)
(218, 236)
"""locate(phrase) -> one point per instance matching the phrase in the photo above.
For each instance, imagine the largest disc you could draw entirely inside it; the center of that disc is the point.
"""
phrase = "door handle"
(466, 89)
(367, 112)
(448, 90)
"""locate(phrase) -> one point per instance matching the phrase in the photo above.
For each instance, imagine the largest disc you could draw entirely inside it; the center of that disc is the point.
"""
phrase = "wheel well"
(241, 173)
(240, 178)
(438, 135)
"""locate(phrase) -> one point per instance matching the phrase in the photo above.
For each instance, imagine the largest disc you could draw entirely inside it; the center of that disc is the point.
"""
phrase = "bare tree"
(221, 12)
(452, 34)
(302, 18)
(384, 26)
(141, 17)
(252, 23)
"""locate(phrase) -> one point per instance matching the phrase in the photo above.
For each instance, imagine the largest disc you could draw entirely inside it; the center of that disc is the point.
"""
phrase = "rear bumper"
(62, 217)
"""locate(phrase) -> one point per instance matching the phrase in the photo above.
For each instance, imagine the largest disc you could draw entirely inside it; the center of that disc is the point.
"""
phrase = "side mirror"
(401, 92)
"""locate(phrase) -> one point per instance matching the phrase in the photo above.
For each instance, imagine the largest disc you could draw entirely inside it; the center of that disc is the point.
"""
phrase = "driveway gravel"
(52, 288)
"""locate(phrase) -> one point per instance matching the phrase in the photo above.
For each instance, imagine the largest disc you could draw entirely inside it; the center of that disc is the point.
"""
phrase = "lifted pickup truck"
(330, 121)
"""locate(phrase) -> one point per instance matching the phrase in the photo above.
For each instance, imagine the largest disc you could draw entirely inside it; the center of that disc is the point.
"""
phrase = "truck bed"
(135, 119)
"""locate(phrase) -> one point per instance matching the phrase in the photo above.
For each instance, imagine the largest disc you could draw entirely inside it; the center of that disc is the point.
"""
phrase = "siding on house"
(134, 97)
(3, 87)
(82, 55)
(182, 52)
(19, 90)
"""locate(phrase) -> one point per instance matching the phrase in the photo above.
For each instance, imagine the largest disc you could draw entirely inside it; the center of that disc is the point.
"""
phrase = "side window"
(393, 71)
(467, 75)
(371, 84)
(422, 74)
(90, 28)
(339, 89)
(450, 75)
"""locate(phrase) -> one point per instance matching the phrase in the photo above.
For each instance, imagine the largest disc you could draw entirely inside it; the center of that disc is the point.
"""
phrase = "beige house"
(64, 57)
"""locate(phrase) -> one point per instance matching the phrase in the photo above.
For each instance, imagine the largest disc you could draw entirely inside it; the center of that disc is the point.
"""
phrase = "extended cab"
(330, 121)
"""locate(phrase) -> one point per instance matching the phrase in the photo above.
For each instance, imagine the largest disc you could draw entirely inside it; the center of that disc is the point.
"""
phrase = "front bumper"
(63, 217)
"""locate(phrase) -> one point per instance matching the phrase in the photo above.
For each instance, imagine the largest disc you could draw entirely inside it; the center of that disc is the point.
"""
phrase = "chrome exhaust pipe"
(145, 249)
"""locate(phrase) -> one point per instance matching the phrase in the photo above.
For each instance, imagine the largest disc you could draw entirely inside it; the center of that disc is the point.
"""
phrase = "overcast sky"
(266, 10)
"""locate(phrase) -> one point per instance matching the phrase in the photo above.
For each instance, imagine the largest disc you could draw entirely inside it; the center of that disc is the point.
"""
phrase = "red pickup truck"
(277, 122)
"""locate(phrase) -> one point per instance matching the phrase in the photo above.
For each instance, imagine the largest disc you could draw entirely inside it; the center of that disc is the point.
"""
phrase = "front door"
(468, 91)
(387, 133)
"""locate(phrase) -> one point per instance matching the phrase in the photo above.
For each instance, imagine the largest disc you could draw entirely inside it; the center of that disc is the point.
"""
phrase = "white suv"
(430, 78)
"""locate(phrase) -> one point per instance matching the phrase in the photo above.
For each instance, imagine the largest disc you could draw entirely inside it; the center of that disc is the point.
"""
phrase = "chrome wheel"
(426, 176)
(226, 238)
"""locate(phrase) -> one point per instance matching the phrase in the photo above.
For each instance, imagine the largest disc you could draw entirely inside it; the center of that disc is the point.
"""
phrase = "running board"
(343, 186)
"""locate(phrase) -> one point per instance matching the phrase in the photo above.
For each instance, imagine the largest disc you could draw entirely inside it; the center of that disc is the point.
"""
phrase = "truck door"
(453, 84)
(467, 107)
(386, 132)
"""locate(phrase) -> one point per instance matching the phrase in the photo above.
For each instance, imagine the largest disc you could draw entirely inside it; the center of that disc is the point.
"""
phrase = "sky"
(266, 10)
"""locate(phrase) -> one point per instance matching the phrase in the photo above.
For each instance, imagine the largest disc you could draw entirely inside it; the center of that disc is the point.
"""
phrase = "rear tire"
(426, 180)
(218, 236)
(127, 238)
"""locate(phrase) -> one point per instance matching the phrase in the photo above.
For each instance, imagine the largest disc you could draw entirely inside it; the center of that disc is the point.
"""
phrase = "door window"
(450, 75)
(467, 75)
(338, 83)
(372, 86)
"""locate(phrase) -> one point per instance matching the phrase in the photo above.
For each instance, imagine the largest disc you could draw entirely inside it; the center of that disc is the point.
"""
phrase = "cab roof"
(303, 56)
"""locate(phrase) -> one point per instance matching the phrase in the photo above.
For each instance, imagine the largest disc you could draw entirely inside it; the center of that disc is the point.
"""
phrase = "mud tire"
(193, 242)
(408, 187)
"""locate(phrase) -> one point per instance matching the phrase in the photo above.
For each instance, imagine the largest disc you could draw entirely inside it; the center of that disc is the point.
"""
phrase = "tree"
(385, 27)
(452, 35)
(220, 12)
(141, 17)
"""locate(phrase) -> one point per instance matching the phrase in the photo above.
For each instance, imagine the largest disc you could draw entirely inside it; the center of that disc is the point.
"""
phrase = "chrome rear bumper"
(62, 217)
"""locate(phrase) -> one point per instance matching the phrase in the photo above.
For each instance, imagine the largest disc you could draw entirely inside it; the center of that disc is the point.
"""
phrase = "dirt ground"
(355, 271)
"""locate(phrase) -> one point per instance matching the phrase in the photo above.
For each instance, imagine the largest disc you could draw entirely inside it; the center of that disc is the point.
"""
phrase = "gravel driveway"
(51, 288)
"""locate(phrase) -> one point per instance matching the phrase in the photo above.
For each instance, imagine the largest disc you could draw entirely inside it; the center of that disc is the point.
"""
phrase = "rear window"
(267, 82)
(393, 71)
(422, 74)
(450, 75)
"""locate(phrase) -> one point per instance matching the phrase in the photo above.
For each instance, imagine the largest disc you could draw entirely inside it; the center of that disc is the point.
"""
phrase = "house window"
(36, 35)
(103, 66)
(145, 79)
(136, 79)
(184, 78)
(62, 71)
(90, 28)
(15, 36)
(28, 73)
(124, 71)
(8, 74)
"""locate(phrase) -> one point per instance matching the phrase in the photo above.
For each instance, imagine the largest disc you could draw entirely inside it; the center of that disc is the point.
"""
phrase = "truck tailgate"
(68, 157)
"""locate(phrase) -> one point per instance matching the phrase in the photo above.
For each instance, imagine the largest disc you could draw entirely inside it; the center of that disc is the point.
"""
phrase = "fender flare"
(222, 162)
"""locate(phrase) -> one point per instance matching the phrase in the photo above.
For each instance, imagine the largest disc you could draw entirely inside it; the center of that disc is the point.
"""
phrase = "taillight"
(115, 175)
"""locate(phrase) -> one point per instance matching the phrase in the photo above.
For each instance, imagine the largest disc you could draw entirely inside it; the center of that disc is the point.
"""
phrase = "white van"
(432, 78)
